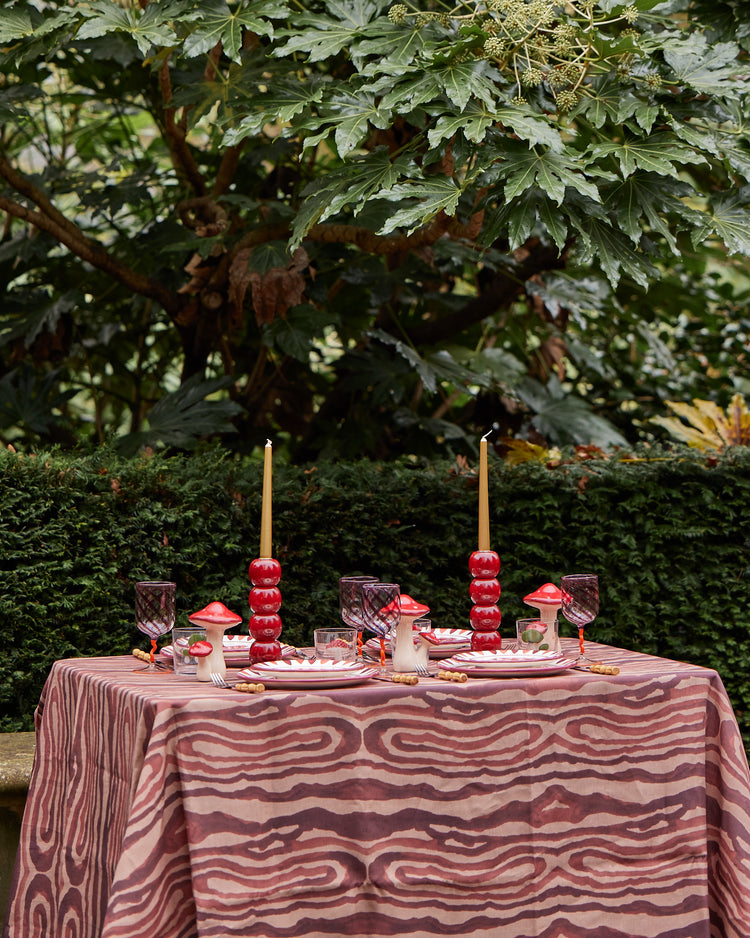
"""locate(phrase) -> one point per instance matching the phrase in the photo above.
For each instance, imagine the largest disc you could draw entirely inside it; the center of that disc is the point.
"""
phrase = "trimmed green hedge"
(666, 535)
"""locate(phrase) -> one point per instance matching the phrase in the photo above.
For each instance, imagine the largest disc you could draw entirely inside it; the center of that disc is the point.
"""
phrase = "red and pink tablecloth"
(565, 806)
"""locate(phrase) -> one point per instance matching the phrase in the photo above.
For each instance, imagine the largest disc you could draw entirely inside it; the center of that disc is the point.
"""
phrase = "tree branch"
(502, 289)
(93, 253)
(176, 137)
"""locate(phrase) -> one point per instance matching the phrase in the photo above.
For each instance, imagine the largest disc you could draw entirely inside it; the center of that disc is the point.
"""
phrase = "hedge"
(665, 532)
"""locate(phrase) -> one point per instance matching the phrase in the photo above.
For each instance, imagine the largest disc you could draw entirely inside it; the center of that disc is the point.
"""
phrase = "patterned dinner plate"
(510, 657)
(306, 667)
(236, 649)
(295, 676)
(443, 642)
(523, 665)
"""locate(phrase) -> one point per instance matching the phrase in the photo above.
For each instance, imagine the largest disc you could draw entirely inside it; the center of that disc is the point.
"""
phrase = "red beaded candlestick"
(484, 566)
(265, 573)
(265, 602)
(484, 590)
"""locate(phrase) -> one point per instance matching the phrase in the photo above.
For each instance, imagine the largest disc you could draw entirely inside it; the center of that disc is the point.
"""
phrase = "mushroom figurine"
(404, 654)
(214, 619)
(547, 600)
(201, 650)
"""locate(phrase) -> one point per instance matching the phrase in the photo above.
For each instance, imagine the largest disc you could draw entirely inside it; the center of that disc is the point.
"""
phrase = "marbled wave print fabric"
(566, 806)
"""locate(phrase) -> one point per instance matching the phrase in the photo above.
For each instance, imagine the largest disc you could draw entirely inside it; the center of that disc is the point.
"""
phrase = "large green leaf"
(473, 123)
(565, 419)
(434, 194)
(662, 153)
(551, 172)
(151, 27)
(728, 218)
(219, 23)
(652, 196)
(392, 49)
(609, 247)
(710, 69)
(321, 36)
(183, 416)
(15, 23)
(467, 80)
(351, 185)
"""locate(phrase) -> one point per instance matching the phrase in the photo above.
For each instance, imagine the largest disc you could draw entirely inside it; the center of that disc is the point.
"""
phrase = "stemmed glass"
(381, 610)
(580, 604)
(154, 613)
(350, 603)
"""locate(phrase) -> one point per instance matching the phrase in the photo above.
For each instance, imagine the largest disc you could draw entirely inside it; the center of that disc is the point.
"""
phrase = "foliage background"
(367, 228)
(666, 531)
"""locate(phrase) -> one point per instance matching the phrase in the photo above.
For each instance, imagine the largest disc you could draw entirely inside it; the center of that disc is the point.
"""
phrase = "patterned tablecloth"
(565, 806)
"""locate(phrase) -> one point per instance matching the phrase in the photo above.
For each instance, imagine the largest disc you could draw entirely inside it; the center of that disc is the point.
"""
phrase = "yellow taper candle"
(484, 507)
(265, 517)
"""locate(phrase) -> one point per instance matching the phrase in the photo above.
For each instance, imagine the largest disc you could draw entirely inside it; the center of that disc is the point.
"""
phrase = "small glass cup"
(532, 635)
(182, 639)
(336, 644)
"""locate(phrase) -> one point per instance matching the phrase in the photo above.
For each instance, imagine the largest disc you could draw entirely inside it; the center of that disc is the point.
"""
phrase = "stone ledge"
(16, 758)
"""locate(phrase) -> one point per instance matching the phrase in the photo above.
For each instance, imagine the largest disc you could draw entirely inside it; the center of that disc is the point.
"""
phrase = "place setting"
(384, 634)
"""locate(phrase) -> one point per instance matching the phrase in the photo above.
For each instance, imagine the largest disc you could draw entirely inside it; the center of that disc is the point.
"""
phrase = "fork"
(218, 681)
(422, 670)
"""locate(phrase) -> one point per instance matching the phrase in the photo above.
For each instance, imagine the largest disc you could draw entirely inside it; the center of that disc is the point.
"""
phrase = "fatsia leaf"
(710, 69)
(282, 103)
(219, 23)
(185, 415)
(393, 48)
(467, 80)
(706, 426)
(532, 127)
(565, 419)
(425, 371)
(350, 116)
(660, 154)
(323, 36)
(644, 194)
(473, 123)
(149, 28)
(728, 218)
(607, 245)
(552, 172)
(435, 194)
(15, 24)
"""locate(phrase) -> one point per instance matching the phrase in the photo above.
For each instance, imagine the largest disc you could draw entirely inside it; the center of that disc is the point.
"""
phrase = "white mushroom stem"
(548, 615)
(215, 662)
(403, 653)
(203, 672)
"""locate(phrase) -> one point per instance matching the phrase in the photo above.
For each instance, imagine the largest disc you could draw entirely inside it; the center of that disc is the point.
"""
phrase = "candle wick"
(488, 433)
(268, 442)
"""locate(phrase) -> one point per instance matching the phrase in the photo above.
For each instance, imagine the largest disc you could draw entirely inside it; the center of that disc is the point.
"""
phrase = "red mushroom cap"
(200, 649)
(410, 607)
(547, 595)
(217, 614)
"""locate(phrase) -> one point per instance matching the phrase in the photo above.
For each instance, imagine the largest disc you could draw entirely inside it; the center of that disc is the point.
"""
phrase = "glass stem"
(580, 639)
(153, 649)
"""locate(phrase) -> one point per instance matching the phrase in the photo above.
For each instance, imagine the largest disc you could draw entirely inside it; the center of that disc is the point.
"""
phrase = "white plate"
(302, 667)
(446, 642)
(510, 657)
(236, 649)
(297, 678)
(517, 669)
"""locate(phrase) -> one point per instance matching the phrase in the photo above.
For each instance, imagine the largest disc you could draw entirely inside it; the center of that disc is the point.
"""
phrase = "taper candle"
(484, 507)
(265, 517)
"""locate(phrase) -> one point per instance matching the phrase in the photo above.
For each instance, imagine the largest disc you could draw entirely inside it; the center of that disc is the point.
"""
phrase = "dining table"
(567, 804)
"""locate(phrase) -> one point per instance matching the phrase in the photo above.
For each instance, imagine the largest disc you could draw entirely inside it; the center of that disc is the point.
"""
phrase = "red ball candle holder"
(484, 590)
(265, 602)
